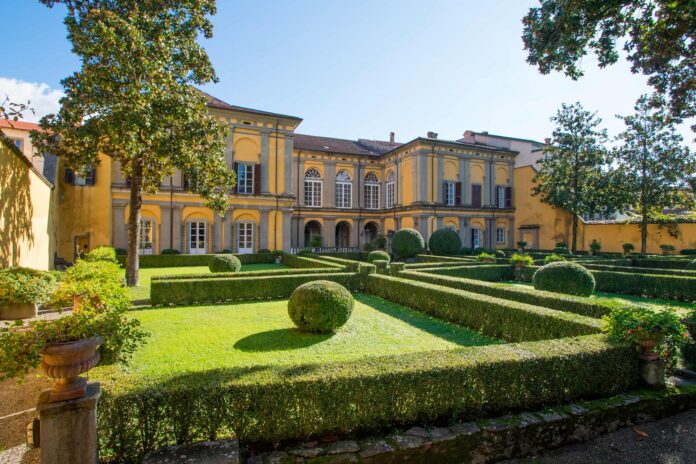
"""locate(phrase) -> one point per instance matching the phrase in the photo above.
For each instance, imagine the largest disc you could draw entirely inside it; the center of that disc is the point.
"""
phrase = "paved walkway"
(667, 441)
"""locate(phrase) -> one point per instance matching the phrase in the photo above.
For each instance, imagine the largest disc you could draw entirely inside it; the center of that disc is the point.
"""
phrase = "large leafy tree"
(659, 37)
(573, 172)
(659, 171)
(133, 99)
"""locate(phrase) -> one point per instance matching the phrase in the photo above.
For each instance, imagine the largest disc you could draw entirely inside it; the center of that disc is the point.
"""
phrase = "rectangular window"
(500, 235)
(500, 196)
(372, 196)
(476, 238)
(312, 193)
(73, 178)
(146, 238)
(17, 143)
(245, 179)
(391, 194)
(476, 195)
(344, 194)
(450, 194)
(245, 237)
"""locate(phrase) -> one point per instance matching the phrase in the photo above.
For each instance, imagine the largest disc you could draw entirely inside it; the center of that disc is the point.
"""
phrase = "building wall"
(27, 221)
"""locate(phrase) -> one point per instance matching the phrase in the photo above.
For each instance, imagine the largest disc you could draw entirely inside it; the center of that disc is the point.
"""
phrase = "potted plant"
(595, 247)
(667, 249)
(628, 248)
(649, 330)
(520, 262)
(68, 346)
(553, 258)
(520, 245)
(278, 256)
(22, 290)
(486, 257)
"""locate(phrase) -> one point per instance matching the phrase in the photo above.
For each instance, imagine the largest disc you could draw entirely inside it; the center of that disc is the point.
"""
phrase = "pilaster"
(287, 160)
(264, 162)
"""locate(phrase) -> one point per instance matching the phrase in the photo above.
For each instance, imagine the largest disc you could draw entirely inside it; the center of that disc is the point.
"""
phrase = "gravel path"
(667, 441)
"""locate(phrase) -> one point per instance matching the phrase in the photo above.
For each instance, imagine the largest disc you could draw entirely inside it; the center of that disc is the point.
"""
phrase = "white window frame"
(391, 190)
(147, 225)
(371, 191)
(312, 188)
(245, 237)
(476, 237)
(344, 190)
(500, 235)
(450, 193)
(245, 179)
(501, 196)
(197, 250)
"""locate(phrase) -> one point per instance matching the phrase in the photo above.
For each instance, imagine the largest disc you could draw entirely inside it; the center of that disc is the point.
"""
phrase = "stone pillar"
(217, 232)
(68, 431)
(287, 231)
(423, 227)
(263, 230)
(329, 184)
(653, 372)
(264, 162)
(229, 148)
(227, 232)
(356, 193)
(119, 226)
(300, 184)
(355, 233)
(294, 232)
(511, 233)
(465, 180)
(488, 239)
(165, 228)
(398, 182)
(423, 172)
(487, 184)
(439, 222)
(178, 229)
(439, 190)
(287, 168)
(464, 231)
(329, 232)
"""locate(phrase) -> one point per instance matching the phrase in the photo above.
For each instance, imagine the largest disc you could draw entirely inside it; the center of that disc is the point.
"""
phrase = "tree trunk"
(574, 247)
(136, 203)
(644, 232)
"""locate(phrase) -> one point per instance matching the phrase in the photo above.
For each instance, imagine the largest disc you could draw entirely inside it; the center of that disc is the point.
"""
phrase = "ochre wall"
(612, 236)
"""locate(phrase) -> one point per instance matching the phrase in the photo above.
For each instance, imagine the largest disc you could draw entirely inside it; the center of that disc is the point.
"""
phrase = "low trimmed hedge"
(171, 260)
(304, 262)
(658, 263)
(443, 259)
(487, 272)
(495, 317)
(233, 275)
(274, 403)
(641, 270)
(196, 291)
(558, 301)
(651, 286)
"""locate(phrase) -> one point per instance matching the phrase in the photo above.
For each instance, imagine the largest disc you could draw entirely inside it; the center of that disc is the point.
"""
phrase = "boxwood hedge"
(169, 260)
(232, 275)
(274, 403)
(488, 272)
(657, 263)
(641, 270)
(495, 317)
(443, 259)
(651, 286)
(304, 262)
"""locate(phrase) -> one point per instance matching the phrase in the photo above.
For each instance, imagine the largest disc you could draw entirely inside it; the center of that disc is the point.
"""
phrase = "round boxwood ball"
(692, 265)
(407, 243)
(320, 306)
(378, 255)
(445, 242)
(564, 277)
(224, 263)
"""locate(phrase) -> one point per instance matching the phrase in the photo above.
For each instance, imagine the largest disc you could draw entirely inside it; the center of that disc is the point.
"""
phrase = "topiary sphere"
(320, 306)
(224, 263)
(445, 242)
(691, 265)
(407, 243)
(378, 255)
(564, 277)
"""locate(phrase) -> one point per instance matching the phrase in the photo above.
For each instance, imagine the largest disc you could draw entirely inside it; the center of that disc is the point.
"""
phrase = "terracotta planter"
(65, 362)
(647, 349)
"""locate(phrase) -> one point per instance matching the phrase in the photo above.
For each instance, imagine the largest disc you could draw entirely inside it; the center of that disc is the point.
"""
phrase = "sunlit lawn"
(195, 338)
(143, 291)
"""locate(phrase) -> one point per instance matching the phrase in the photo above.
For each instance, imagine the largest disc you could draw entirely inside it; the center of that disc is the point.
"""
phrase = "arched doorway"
(312, 229)
(342, 234)
(370, 232)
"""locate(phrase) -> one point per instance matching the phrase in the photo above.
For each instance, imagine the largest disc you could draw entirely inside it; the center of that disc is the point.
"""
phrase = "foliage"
(688, 251)
(487, 272)
(264, 251)
(521, 244)
(659, 172)
(628, 248)
(445, 242)
(407, 243)
(667, 249)
(562, 251)
(595, 246)
(313, 262)
(486, 257)
(101, 253)
(134, 100)
(636, 324)
(102, 312)
(181, 260)
(20, 285)
(561, 245)
(316, 241)
(382, 266)
(224, 263)
(121, 252)
(670, 287)
(552, 258)
(378, 243)
(520, 260)
(573, 171)
(691, 265)
(658, 37)
(170, 251)
(320, 306)
(377, 254)
(246, 273)
(564, 277)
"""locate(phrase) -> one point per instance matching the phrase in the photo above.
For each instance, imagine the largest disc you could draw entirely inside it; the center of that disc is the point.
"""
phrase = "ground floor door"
(147, 242)
(475, 237)
(245, 237)
(197, 237)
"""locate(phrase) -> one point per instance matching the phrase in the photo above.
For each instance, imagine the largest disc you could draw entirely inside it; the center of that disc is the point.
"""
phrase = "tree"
(659, 37)
(573, 173)
(660, 172)
(134, 101)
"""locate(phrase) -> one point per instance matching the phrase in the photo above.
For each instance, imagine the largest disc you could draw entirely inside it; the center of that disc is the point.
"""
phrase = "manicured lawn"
(143, 291)
(196, 338)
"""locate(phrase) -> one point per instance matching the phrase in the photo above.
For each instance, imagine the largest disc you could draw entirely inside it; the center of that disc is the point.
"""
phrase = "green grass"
(142, 292)
(197, 338)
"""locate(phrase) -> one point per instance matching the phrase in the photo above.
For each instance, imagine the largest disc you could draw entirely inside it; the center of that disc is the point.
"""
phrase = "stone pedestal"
(17, 311)
(69, 428)
(653, 373)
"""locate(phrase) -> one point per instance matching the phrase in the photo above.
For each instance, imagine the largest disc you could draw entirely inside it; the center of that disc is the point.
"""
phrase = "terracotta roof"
(19, 125)
(351, 147)
(215, 102)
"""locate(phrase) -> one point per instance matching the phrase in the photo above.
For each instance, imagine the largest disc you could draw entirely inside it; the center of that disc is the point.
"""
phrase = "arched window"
(312, 187)
(344, 190)
(391, 190)
(371, 191)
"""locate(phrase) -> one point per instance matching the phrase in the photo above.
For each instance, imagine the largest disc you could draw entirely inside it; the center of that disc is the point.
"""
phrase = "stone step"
(686, 373)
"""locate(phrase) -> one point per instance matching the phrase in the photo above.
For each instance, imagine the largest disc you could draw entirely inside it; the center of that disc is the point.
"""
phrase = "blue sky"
(358, 68)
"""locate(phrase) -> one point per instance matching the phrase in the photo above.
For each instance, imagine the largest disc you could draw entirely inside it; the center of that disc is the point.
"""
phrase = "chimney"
(391, 138)
(432, 135)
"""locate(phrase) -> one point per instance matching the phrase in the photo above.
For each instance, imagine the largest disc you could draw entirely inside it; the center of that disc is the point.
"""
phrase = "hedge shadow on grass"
(279, 340)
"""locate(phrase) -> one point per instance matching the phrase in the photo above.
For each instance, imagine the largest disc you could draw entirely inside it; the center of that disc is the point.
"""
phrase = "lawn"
(197, 338)
(143, 291)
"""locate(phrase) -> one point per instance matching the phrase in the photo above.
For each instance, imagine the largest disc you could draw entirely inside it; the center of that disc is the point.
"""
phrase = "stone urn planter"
(278, 259)
(647, 349)
(11, 312)
(65, 362)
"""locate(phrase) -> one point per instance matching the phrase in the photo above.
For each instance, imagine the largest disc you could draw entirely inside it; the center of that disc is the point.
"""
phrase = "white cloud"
(44, 99)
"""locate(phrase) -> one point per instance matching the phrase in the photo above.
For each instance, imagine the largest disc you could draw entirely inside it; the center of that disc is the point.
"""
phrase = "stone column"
(287, 230)
(423, 227)
(300, 185)
(263, 229)
(464, 231)
(329, 232)
(329, 184)
(423, 161)
(229, 148)
(165, 228)
(356, 193)
(119, 226)
(68, 433)
(264, 162)
(287, 160)
(439, 222)
(355, 233)
(439, 190)
(217, 233)
(465, 180)
(511, 234)
(488, 234)
(398, 183)
(227, 232)
(178, 229)
(487, 182)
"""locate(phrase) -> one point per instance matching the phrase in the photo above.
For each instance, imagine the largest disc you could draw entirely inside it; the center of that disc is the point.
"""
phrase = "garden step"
(208, 452)
(686, 373)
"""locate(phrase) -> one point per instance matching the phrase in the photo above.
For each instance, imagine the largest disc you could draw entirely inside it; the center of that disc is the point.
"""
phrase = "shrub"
(445, 242)
(521, 244)
(101, 253)
(562, 251)
(407, 243)
(321, 306)
(667, 249)
(19, 285)
(552, 258)
(691, 265)
(490, 273)
(378, 243)
(564, 277)
(121, 252)
(595, 247)
(500, 253)
(382, 266)
(486, 257)
(313, 262)
(316, 241)
(688, 251)
(628, 248)
(264, 251)
(561, 245)
(378, 255)
(182, 260)
(224, 263)
(671, 287)
(519, 260)
(170, 251)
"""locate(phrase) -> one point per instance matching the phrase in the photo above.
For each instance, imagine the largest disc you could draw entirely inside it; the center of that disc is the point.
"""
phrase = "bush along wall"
(170, 260)
(495, 317)
(651, 286)
(641, 270)
(276, 403)
(487, 272)
(193, 291)
(234, 275)
(661, 263)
